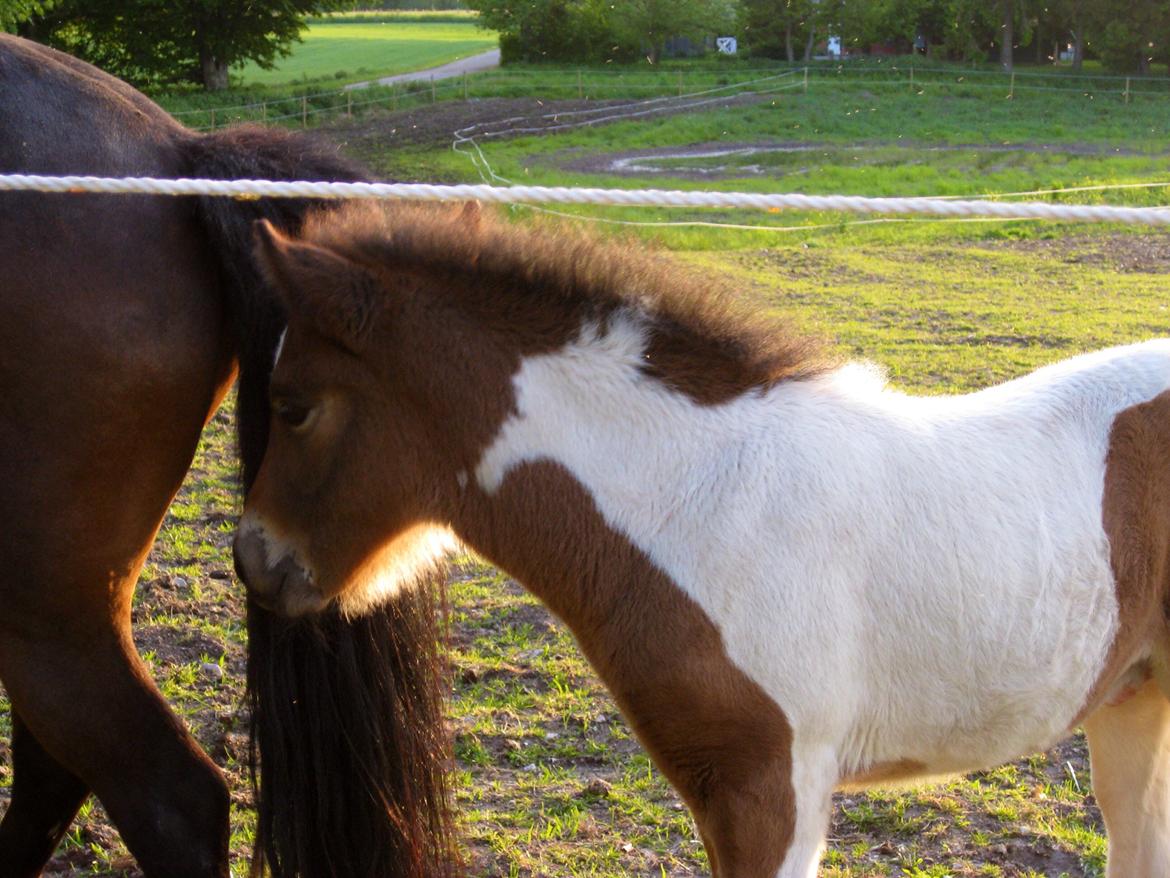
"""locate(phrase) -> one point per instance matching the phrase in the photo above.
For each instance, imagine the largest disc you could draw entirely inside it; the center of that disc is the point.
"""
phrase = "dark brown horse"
(123, 322)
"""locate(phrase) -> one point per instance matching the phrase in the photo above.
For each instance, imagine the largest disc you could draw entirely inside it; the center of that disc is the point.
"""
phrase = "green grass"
(338, 51)
(549, 779)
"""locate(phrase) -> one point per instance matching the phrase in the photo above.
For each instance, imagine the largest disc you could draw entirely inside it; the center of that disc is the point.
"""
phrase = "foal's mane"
(701, 337)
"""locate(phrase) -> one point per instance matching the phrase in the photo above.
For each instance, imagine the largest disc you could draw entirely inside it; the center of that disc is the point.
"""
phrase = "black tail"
(349, 748)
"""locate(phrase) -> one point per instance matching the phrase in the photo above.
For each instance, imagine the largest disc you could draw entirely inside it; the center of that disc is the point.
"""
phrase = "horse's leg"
(1129, 745)
(100, 423)
(89, 702)
(45, 797)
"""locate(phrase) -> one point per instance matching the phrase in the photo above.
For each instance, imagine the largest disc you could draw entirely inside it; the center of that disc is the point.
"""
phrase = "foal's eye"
(294, 414)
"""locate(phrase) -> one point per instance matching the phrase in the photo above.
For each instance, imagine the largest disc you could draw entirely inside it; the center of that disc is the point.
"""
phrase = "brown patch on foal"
(720, 740)
(1136, 517)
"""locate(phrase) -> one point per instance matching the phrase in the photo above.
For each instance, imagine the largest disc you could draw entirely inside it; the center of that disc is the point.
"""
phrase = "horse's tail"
(349, 751)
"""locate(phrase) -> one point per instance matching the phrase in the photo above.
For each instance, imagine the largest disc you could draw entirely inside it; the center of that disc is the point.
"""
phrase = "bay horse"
(791, 577)
(123, 322)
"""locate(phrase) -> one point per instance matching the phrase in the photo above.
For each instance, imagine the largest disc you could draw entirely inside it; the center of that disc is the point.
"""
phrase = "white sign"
(726, 45)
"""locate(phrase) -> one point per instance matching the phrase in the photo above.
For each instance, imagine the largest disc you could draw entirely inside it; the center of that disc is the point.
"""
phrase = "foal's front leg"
(759, 794)
(771, 825)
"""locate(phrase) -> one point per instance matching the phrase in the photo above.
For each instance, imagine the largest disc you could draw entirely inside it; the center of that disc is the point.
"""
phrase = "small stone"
(627, 847)
(211, 670)
(469, 675)
(178, 582)
(598, 787)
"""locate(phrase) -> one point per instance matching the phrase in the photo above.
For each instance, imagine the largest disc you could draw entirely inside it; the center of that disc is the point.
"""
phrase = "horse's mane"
(689, 315)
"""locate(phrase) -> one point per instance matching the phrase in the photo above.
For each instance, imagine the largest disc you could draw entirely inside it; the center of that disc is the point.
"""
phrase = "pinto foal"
(791, 577)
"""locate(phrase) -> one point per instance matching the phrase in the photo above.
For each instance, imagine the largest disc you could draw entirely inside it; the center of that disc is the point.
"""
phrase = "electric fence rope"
(249, 189)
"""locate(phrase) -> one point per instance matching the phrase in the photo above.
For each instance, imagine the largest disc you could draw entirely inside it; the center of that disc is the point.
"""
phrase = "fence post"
(806, 79)
(580, 87)
(1127, 89)
(213, 118)
(349, 103)
(1012, 92)
(264, 112)
(304, 112)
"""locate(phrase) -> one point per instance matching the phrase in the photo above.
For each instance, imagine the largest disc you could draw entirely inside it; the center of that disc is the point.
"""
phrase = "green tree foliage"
(598, 30)
(646, 25)
(1130, 36)
(780, 28)
(171, 41)
(15, 12)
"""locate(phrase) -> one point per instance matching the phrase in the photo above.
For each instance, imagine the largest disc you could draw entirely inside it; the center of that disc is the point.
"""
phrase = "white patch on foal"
(279, 348)
(910, 579)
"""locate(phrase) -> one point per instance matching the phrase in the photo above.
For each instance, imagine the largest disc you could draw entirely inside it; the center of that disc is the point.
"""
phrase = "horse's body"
(791, 577)
(122, 322)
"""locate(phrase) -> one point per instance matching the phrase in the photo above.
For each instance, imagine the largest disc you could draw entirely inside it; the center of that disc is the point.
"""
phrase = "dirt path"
(473, 64)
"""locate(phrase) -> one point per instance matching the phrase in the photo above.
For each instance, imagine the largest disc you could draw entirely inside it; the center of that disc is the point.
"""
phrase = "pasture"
(352, 48)
(549, 780)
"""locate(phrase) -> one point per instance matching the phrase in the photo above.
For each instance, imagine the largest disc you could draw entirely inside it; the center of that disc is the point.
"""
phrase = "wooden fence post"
(304, 112)
(264, 112)
(213, 118)
(1127, 89)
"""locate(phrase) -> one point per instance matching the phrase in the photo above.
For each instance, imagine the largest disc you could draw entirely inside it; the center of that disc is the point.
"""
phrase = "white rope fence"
(251, 189)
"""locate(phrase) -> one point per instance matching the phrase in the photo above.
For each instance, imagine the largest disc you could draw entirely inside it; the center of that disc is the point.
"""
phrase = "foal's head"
(352, 497)
(405, 328)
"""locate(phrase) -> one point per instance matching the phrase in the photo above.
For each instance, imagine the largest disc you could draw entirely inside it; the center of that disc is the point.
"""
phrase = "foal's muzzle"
(280, 584)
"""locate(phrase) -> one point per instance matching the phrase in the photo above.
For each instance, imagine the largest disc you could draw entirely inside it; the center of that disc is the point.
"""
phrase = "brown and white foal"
(791, 577)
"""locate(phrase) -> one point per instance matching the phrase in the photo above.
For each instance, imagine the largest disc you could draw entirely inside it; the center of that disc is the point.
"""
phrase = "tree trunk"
(1078, 51)
(809, 44)
(1006, 36)
(213, 71)
(788, 48)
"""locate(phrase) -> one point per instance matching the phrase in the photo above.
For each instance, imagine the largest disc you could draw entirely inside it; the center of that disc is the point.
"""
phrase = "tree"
(1129, 36)
(648, 24)
(15, 12)
(772, 28)
(164, 41)
(550, 30)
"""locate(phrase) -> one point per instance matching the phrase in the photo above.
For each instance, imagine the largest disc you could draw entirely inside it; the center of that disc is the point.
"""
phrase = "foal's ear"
(470, 216)
(336, 295)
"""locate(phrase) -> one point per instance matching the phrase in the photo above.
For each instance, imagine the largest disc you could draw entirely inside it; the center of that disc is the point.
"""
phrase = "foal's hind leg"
(45, 797)
(1130, 749)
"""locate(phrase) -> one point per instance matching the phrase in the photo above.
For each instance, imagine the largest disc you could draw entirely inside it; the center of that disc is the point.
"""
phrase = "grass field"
(346, 50)
(549, 780)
